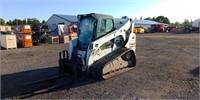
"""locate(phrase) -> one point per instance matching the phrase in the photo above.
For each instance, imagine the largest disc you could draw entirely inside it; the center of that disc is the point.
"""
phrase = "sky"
(175, 10)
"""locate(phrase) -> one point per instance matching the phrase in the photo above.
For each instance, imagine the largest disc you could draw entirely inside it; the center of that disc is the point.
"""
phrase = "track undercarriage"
(113, 64)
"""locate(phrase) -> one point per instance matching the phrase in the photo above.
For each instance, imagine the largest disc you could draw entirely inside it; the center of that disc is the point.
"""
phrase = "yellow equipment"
(138, 30)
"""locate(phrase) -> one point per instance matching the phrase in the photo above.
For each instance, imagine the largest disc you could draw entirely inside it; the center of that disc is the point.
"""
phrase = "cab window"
(104, 26)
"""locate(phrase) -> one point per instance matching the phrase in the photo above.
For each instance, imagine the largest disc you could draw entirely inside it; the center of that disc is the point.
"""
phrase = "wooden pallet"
(2, 48)
(10, 48)
(54, 40)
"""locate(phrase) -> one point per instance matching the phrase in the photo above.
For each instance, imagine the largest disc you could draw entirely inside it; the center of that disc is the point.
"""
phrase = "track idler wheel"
(126, 56)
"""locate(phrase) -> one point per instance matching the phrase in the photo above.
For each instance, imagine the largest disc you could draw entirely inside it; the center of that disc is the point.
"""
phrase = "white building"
(196, 23)
(61, 19)
(144, 23)
(58, 23)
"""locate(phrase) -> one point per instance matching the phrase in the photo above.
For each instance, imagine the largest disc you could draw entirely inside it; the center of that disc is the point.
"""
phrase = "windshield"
(86, 28)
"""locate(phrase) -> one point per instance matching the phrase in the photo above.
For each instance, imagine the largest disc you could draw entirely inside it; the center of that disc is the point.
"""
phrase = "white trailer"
(196, 23)
(195, 27)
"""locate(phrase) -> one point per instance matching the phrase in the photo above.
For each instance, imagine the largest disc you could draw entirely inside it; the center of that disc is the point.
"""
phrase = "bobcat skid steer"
(105, 47)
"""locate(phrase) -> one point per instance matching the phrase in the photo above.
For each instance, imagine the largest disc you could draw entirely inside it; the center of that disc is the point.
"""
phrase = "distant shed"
(61, 19)
(140, 23)
(144, 23)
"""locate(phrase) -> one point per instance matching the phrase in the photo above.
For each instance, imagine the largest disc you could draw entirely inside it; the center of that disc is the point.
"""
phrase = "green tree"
(162, 19)
(171, 24)
(17, 22)
(153, 19)
(2, 22)
(187, 23)
(10, 22)
(148, 18)
(124, 17)
(177, 25)
(24, 21)
(167, 21)
(33, 21)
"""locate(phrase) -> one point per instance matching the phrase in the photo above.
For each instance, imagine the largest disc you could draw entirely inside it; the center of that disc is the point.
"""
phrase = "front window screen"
(86, 29)
(104, 26)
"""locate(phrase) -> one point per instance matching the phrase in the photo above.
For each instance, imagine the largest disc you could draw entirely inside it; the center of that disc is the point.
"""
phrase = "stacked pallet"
(5, 28)
(64, 39)
(54, 39)
(67, 38)
(8, 41)
(24, 35)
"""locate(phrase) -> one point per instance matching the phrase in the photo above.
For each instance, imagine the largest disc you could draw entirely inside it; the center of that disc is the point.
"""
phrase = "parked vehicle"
(194, 28)
(157, 28)
(169, 28)
(138, 30)
(101, 50)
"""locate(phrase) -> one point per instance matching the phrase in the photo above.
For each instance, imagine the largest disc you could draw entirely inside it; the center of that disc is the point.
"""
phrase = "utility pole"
(199, 26)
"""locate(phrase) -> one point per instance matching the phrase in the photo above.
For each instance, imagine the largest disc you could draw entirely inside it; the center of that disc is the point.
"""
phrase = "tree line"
(30, 21)
(35, 21)
(185, 24)
(166, 20)
(161, 19)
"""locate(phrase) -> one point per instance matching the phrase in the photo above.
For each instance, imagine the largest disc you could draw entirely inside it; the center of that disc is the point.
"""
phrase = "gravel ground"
(167, 68)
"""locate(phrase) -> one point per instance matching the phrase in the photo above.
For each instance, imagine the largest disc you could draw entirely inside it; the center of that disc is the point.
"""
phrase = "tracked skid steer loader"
(105, 47)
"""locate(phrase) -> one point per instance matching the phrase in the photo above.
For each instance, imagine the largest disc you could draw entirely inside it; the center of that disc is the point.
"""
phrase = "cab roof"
(94, 15)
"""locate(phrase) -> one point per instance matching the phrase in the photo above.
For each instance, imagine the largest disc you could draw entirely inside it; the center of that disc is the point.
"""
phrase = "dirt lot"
(167, 68)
